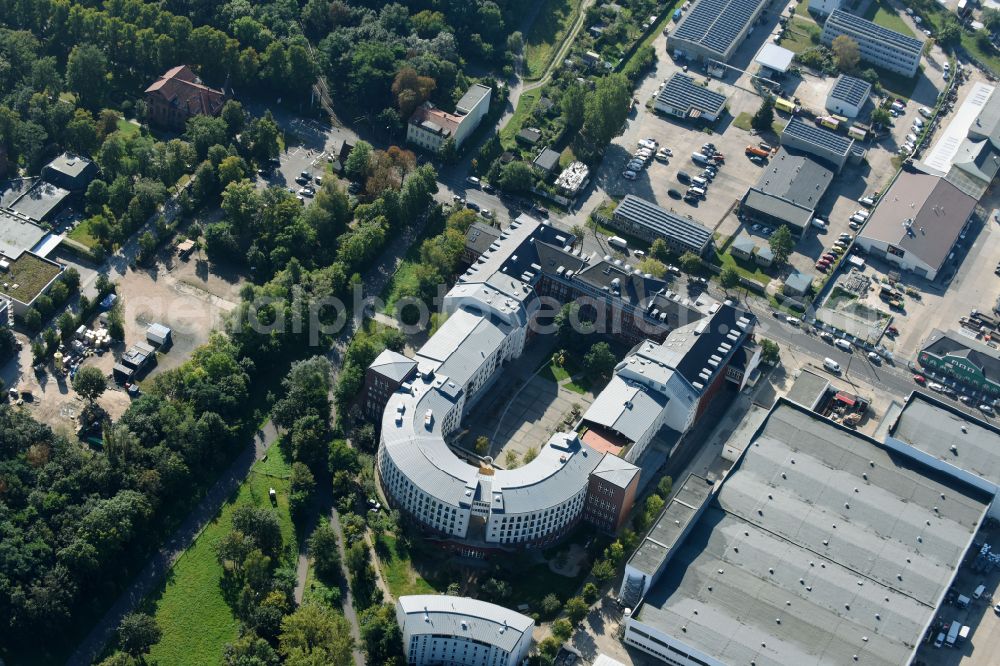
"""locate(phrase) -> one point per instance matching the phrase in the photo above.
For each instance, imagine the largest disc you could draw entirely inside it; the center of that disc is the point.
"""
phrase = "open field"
(398, 571)
(82, 234)
(801, 34)
(190, 609)
(525, 105)
(887, 17)
(547, 33)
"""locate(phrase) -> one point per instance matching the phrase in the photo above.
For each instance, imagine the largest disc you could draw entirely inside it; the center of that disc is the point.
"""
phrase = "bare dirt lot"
(191, 297)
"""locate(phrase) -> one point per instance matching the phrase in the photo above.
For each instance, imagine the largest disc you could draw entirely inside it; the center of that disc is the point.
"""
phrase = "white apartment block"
(430, 127)
(441, 629)
(877, 45)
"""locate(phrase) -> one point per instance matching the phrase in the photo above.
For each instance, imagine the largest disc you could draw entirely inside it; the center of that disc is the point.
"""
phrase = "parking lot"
(983, 645)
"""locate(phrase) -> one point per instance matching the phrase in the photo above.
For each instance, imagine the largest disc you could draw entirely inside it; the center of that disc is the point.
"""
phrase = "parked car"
(649, 143)
(684, 177)
(866, 201)
(472, 205)
(792, 321)
(844, 344)
(925, 112)
(919, 379)
(473, 181)
(757, 159)
(489, 189)
(821, 266)
(818, 223)
(986, 409)
(874, 358)
(827, 336)
(487, 213)
(660, 156)
(934, 386)
(628, 174)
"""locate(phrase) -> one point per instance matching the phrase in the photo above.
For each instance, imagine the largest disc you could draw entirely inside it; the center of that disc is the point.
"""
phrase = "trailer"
(786, 105)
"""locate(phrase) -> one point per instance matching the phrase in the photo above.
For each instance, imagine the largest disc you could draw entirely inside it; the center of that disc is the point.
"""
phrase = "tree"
(562, 629)
(589, 593)
(482, 445)
(87, 74)
(690, 262)
(599, 361)
(516, 176)
(137, 633)
(654, 267)
(603, 570)
(881, 116)
(262, 526)
(950, 32)
(781, 244)
(990, 18)
(659, 250)
(729, 278)
(846, 54)
(606, 109)
(381, 638)
(315, 635)
(90, 383)
(576, 609)
(356, 166)
(573, 103)
(234, 116)
(770, 353)
(147, 244)
(764, 118)
(249, 650)
(323, 549)
(411, 90)
(550, 605)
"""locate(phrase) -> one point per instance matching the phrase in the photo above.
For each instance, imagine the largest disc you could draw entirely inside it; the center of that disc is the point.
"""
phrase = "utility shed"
(158, 334)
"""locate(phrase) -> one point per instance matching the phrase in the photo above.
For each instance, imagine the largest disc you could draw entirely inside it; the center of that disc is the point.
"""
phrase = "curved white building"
(478, 504)
(440, 629)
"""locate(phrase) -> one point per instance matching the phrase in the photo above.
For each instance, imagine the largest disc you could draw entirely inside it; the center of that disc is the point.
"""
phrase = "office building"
(964, 359)
(430, 127)
(917, 222)
(442, 629)
(648, 221)
(879, 46)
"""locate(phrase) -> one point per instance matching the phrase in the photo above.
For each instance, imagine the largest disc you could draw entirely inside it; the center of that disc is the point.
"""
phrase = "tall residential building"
(879, 46)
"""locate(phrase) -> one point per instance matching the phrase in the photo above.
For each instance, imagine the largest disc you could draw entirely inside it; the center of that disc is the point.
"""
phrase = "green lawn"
(742, 121)
(547, 34)
(525, 105)
(747, 269)
(81, 234)
(398, 571)
(127, 128)
(189, 607)
(887, 17)
(560, 373)
(801, 34)
(27, 276)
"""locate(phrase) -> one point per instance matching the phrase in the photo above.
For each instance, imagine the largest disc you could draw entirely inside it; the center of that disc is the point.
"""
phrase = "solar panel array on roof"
(717, 24)
(851, 90)
(682, 93)
(668, 224)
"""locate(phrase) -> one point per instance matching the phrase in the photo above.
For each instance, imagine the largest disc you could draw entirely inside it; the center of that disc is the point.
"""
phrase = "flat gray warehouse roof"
(934, 427)
(795, 177)
(664, 222)
(821, 544)
(716, 24)
(683, 506)
(17, 235)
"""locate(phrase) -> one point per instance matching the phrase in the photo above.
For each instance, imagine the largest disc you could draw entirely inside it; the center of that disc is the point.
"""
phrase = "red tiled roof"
(182, 88)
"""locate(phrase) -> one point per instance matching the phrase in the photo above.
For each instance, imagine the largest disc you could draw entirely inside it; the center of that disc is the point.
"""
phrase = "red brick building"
(178, 95)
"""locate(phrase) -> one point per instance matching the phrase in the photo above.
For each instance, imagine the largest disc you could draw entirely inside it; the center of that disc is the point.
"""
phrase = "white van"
(979, 592)
(697, 191)
(831, 365)
(857, 218)
(700, 182)
(818, 223)
(616, 241)
(844, 344)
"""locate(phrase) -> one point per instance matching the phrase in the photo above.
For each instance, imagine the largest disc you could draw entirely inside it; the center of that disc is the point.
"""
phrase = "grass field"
(547, 34)
(742, 121)
(747, 269)
(525, 105)
(801, 34)
(189, 607)
(560, 373)
(398, 571)
(81, 234)
(127, 128)
(887, 17)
